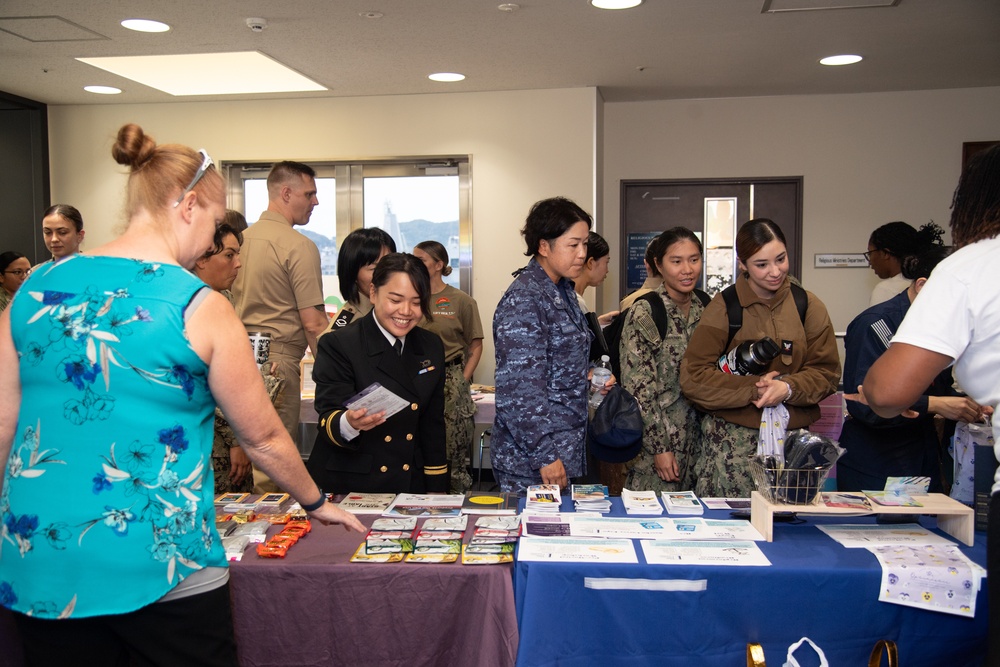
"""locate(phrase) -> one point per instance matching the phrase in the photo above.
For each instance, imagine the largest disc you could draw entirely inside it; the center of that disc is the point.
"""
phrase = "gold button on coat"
(388, 438)
(413, 406)
(384, 469)
(406, 466)
(409, 436)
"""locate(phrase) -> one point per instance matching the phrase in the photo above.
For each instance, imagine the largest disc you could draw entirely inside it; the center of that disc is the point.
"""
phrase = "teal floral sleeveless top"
(108, 492)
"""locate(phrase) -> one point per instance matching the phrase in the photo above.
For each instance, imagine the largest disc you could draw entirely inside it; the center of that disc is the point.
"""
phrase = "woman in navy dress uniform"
(356, 451)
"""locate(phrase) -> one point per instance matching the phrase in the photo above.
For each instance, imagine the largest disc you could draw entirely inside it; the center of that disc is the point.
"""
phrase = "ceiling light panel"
(243, 72)
(779, 6)
(145, 25)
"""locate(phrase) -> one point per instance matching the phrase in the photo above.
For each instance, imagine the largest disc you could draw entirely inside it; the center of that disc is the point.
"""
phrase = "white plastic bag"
(963, 449)
(790, 660)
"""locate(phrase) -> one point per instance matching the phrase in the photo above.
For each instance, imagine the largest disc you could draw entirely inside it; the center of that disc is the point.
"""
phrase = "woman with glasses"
(14, 270)
(888, 248)
(110, 551)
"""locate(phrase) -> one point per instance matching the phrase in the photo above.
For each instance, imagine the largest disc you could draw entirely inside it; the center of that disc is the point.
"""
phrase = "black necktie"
(398, 346)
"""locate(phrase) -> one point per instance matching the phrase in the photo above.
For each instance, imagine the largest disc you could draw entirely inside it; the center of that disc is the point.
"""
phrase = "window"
(413, 200)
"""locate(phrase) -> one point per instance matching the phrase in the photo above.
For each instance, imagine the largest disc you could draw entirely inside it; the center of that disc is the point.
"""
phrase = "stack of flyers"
(544, 498)
(388, 536)
(591, 498)
(641, 502)
(439, 540)
(493, 541)
(682, 503)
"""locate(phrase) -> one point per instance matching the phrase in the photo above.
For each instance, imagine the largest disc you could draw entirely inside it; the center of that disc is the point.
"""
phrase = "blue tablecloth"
(814, 588)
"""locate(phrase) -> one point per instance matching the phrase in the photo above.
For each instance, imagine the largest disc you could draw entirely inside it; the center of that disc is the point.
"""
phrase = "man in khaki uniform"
(279, 291)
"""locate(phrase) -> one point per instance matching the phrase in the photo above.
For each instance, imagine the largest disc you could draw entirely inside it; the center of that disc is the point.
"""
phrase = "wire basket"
(789, 486)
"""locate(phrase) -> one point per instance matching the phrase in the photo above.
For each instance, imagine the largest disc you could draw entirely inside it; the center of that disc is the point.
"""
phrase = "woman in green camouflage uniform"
(456, 321)
(651, 365)
(218, 268)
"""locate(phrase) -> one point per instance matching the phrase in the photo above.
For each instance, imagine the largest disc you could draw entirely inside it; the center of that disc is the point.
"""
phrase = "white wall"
(866, 160)
(525, 146)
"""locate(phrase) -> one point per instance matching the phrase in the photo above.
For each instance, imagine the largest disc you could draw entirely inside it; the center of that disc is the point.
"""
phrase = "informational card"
(577, 550)
(717, 529)
(683, 552)
(911, 534)
(376, 398)
(936, 578)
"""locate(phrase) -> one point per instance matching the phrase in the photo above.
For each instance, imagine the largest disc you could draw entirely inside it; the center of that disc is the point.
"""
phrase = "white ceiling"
(664, 49)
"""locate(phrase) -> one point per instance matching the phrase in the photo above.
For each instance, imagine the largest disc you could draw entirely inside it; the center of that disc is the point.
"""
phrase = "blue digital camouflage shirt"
(542, 355)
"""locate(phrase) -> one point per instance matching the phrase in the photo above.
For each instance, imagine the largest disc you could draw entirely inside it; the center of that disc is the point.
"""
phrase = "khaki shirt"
(281, 275)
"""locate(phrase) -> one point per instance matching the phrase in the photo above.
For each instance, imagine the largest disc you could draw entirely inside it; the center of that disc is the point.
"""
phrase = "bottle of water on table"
(602, 373)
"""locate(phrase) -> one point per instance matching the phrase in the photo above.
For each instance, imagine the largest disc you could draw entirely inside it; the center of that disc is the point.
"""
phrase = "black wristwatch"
(312, 507)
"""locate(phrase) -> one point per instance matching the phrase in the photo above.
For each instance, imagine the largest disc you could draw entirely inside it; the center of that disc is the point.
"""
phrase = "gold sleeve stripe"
(436, 470)
(330, 420)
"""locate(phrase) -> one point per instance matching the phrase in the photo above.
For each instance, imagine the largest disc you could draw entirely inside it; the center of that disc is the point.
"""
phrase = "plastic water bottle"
(749, 357)
(602, 373)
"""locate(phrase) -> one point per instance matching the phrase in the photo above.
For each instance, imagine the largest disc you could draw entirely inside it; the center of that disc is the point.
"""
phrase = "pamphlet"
(726, 503)
(684, 503)
(366, 503)
(892, 498)
(376, 398)
(576, 550)
(641, 502)
(937, 578)
(490, 502)
(854, 536)
(416, 504)
(474, 558)
(683, 552)
(543, 498)
(856, 501)
(361, 557)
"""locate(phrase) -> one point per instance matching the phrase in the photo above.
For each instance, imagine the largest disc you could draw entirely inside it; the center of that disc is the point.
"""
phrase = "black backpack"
(735, 311)
(608, 341)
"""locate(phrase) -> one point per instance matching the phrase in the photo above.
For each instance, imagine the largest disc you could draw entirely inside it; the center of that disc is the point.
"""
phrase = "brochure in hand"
(376, 398)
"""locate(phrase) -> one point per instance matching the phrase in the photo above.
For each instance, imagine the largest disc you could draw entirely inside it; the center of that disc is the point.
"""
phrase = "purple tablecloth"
(314, 607)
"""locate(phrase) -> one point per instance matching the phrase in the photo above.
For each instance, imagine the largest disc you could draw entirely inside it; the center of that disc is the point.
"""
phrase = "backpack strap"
(702, 296)
(801, 302)
(657, 310)
(735, 311)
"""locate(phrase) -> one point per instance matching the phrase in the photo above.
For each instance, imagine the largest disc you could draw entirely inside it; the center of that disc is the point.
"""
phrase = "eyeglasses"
(19, 272)
(868, 255)
(206, 163)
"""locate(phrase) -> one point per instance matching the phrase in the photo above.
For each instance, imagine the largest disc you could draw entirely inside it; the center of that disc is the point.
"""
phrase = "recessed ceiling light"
(446, 77)
(103, 90)
(615, 4)
(840, 60)
(145, 25)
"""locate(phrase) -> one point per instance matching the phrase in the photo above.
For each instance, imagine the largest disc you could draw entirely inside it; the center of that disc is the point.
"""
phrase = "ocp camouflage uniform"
(651, 373)
(542, 355)
(224, 440)
(458, 425)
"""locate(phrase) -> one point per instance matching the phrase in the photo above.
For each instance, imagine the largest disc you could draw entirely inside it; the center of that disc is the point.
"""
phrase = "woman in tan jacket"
(804, 373)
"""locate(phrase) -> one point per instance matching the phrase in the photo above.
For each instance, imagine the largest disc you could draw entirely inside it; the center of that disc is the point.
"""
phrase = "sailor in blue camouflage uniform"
(542, 356)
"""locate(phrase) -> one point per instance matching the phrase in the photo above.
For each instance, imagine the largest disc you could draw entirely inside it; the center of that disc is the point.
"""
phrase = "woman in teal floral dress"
(108, 547)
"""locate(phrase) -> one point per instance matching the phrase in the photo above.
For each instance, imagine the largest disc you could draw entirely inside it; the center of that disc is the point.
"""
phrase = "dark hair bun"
(133, 146)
